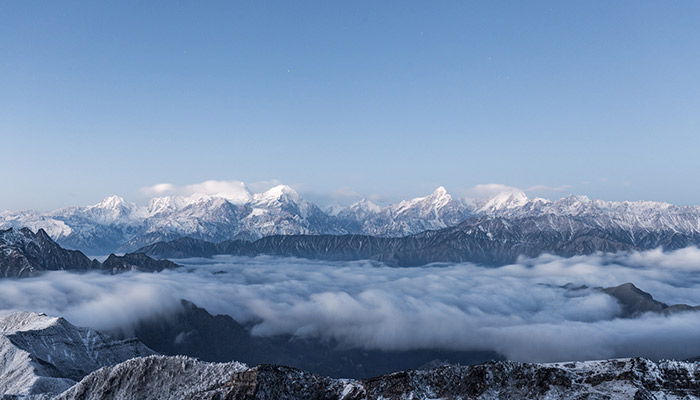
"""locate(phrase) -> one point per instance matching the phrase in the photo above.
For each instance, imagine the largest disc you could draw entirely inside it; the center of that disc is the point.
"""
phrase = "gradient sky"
(390, 98)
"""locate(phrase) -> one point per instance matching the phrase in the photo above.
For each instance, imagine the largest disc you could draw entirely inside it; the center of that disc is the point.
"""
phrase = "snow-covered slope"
(155, 377)
(436, 211)
(115, 224)
(161, 377)
(41, 354)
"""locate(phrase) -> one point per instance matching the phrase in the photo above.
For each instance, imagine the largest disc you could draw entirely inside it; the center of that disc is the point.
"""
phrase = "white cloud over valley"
(519, 310)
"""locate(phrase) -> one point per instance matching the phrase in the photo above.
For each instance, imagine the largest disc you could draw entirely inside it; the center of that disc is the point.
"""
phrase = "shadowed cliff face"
(27, 254)
(24, 253)
(192, 331)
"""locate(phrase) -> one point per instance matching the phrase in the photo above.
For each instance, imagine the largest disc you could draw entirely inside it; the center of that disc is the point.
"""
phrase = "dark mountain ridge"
(194, 332)
(485, 240)
(24, 253)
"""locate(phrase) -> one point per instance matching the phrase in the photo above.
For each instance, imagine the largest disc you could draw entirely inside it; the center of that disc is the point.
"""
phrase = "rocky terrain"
(24, 253)
(159, 377)
(581, 223)
(42, 354)
(635, 302)
(485, 240)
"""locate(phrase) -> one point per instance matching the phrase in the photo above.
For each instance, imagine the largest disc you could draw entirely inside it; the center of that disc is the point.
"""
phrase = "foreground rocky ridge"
(117, 225)
(161, 377)
(24, 253)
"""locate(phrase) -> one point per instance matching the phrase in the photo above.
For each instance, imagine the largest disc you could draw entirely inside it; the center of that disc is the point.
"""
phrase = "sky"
(384, 99)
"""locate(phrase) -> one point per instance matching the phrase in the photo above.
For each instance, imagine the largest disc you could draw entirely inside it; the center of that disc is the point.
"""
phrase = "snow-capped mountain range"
(118, 225)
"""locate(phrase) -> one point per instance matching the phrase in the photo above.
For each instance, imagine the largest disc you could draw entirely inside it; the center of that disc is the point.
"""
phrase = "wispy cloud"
(519, 310)
(545, 188)
(487, 190)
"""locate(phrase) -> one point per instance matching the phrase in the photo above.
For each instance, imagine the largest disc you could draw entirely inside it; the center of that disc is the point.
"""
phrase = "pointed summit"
(366, 205)
(440, 191)
(440, 198)
(113, 203)
(280, 192)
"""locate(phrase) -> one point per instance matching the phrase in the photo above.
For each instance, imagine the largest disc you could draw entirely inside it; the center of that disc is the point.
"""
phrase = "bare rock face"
(635, 302)
(24, 253)
(194, 332)
(135, 262)
(161, 377)
(42, 354)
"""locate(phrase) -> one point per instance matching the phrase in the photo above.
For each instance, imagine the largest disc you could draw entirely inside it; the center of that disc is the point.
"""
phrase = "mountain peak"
(366, 206)
(22, 321)
(436, 200)
(279, 192)
(112, 203)
(505, 201)
(440, 191)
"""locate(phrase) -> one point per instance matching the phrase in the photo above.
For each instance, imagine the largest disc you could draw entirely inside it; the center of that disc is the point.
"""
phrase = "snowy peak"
(279, 193)
(435, 201)
(23, 321)
(504, 201)
(114, 203)
(439, 198)
(282, 197)
(217, 212)
(366, 206)
(167, 204)
(112, 209)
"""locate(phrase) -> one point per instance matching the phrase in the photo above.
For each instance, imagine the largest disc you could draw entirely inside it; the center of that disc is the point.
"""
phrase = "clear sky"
(378, 97)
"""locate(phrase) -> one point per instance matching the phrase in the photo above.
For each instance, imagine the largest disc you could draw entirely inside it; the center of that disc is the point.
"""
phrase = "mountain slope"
(160, 377)
(485, 240)
(41, 354)
(117, 225)
(24, 253)
(192, 331)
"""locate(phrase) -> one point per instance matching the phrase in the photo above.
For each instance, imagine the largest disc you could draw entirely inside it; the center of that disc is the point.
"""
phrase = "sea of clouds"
(521, 310)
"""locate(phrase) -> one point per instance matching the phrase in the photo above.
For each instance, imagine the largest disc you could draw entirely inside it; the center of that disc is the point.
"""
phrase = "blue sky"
(388, 98)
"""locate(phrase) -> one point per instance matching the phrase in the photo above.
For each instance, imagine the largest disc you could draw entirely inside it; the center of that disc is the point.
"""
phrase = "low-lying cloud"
(520, 310)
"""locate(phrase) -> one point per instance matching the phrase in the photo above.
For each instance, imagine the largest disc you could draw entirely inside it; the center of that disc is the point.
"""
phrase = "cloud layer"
(519, 310)
(233, 190)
